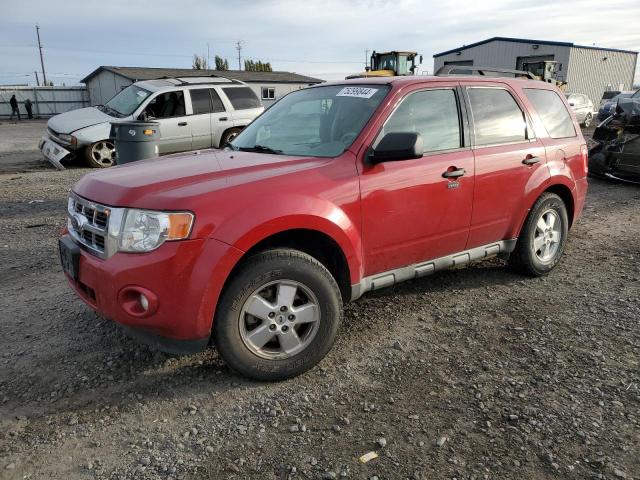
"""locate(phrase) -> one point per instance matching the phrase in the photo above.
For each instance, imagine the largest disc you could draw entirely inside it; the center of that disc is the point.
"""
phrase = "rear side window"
(553, 114)
(242, 98)
(217, 103)
(497, 118)
(431, 113)
(200, 101)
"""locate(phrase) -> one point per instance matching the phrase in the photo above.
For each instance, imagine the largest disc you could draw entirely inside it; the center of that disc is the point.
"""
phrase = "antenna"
(239, 48)
(44, 75)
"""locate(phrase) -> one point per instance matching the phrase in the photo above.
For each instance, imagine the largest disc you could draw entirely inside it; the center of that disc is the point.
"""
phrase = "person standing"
(14, 107)
(28, 107)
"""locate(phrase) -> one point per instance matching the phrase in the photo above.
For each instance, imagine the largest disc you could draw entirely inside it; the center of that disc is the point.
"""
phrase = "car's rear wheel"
(229, 135)
(543, 237)
(101, 154)
(586, 123)
(278, 316)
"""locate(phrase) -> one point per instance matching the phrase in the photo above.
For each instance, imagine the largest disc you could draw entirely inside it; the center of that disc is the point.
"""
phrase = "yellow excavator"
(390, 64)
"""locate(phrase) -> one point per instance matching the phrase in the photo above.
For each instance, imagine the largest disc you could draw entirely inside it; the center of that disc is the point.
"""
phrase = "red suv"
(335, 190)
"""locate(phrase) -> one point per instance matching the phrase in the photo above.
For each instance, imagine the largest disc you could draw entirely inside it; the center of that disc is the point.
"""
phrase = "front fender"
(88, 135)
(297, 212)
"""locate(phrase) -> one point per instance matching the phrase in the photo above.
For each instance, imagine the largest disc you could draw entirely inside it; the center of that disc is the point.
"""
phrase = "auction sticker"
(359, 92)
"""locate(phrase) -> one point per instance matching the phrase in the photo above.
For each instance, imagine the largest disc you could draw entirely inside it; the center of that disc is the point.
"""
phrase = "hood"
(69, 122)
(180, 181)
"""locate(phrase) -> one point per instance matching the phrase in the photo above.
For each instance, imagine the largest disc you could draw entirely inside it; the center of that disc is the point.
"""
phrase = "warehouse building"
(587, 70)
(104, 82)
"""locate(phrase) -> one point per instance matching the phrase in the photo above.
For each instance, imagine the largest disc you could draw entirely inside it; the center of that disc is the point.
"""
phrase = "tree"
(199, 63)
(257, 66)
(221, 63)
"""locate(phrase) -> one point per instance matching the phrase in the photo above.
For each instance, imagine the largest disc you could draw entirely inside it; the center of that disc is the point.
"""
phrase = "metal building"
(104, 82)
(587, 70)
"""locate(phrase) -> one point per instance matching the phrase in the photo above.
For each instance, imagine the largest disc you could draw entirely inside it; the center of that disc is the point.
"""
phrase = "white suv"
(193, 112)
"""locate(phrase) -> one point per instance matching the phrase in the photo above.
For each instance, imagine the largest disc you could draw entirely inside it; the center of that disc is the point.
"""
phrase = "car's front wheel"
(586, 123)
(101, 154)
(543, 237)
(278, 316)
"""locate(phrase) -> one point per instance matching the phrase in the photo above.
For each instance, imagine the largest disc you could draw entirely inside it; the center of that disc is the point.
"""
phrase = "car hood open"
(69, 122)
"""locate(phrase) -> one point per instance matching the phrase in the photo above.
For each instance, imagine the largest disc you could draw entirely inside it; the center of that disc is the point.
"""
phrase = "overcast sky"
(321, 38)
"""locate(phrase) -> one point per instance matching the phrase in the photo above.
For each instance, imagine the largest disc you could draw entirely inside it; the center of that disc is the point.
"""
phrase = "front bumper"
(53, 151)
(184, 280)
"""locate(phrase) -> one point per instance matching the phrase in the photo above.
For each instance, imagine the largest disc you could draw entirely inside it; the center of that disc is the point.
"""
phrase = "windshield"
(636, 95)
(126, 102)
(316, 122)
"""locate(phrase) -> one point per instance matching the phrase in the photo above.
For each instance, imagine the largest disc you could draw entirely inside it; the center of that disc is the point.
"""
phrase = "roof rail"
(202, 80)
(447, 70)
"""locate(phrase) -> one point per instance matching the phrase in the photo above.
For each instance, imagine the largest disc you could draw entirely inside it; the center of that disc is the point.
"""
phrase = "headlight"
(146, 230)
(70, 139)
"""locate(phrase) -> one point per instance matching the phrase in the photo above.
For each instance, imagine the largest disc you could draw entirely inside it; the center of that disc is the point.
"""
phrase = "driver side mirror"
(396, 146)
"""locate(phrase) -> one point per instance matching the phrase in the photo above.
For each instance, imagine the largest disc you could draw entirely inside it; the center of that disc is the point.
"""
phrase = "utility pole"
(239, 48)
(208, 57)
(366, 59)
(44, 75)
(37, 79)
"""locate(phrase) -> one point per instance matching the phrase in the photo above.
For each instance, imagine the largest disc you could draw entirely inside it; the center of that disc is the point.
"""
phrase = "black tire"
(524, 258)
(229, 135)
(262, 269)
(587, 120)
(95, 160)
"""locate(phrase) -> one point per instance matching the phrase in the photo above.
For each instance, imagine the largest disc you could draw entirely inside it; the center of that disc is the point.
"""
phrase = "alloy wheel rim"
(547, 236)
(103, 153)
(279, 319)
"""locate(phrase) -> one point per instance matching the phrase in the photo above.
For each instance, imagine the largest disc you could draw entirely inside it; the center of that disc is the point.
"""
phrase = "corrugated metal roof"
(145, 73)
(525, 40)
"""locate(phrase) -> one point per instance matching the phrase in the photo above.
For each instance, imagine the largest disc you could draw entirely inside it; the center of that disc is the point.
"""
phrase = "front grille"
(89, 224)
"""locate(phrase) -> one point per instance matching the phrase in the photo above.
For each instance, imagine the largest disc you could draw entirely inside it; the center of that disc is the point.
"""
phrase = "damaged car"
(616, 154)
(193, 113)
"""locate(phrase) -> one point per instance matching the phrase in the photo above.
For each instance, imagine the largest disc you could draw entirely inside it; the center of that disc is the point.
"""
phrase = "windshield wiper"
(261, 148)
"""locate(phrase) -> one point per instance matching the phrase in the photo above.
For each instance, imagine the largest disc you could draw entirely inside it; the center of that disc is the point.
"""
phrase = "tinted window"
(170, 104)
(552, 112)
(497, 118)
(200, 101)
(242, 98)
(217, 103)
(431, 113)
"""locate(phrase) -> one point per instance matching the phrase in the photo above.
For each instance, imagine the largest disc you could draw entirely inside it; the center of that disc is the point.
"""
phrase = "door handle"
(182, 124)
(458, 172)
(531, 160)
(223, 119)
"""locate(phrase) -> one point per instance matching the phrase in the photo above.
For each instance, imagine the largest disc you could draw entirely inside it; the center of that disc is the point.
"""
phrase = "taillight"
(584, 153)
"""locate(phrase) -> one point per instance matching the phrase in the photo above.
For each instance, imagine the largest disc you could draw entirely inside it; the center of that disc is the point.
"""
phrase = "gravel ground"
(475, 373)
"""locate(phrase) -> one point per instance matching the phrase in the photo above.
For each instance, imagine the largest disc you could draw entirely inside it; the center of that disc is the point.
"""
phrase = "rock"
(619, 473)
(329, 475)
(10, 466)
(382, 442)
(209, 449)
(441, 441)
(294, 428)
(146, 461)
(397, 345)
